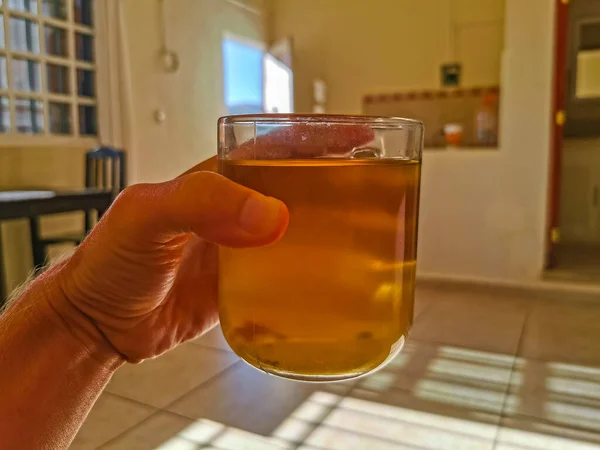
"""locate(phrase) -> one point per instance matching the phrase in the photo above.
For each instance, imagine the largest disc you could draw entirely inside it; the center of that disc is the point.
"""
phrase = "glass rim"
(240, 119)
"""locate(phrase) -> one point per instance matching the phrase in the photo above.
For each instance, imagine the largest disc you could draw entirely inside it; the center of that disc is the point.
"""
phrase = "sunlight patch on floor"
(474, 383)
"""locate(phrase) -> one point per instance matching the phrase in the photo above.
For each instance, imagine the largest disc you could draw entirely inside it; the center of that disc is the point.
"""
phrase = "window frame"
(12, 138)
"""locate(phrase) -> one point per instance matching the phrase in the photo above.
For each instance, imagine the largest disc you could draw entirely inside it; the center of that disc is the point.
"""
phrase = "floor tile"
(244, 398)
(439, 374)
(162, 380)
(457, 384)
(363, 424)
(523, 433)
(110, 416)
(563, 332)
(564, 396)
(235, 439)
(465, 410)
(167, 431)
(474, 320)
(153, 433)
(332, 439)
(213, 339)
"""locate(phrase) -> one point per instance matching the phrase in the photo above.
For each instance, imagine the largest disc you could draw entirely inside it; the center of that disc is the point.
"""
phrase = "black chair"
(105, 169)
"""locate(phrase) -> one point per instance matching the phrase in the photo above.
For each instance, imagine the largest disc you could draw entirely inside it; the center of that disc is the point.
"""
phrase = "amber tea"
(333, 299)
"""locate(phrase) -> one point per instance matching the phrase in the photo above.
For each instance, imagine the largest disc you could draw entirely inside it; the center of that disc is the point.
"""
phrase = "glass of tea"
(333, 299)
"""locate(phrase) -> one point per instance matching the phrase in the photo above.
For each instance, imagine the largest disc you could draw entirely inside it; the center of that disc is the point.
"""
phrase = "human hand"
(145, 279)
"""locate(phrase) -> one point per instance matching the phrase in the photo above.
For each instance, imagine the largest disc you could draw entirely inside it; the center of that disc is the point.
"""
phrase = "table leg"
(101, 213)
(3, 290)
(88, 222)
(37, 247)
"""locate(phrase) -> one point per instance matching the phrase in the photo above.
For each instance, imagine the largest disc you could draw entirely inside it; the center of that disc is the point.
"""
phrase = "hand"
(145, 279)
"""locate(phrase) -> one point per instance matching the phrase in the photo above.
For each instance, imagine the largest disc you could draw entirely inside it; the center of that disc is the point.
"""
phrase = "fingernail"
(260, 215)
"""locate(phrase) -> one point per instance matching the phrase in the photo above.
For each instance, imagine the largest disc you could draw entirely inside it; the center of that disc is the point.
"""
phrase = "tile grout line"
(399, 421)
(114, 438)
(316, 425)
(209, 379)
(510, 378)
(205, 383)
(459, 346)
(162, 409)
(297, 444)
(137, 402)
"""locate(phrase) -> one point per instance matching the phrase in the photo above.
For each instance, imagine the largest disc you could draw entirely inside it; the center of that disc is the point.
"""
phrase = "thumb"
(209, 205)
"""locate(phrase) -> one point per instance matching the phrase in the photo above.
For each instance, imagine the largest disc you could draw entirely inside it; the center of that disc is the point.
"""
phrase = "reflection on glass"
(56, 41)
(83, 12)
(29, 6)
(58, 79)
(59, 116)
(88, 122)
(24, 35)
(85, 83)
(55, 8)
(2, 41)
(3, 73)
(84, 47)
(26, 75)
(29, 116)
(4, 115)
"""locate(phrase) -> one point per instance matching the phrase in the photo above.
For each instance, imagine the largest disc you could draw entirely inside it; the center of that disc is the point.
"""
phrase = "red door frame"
(561, 31)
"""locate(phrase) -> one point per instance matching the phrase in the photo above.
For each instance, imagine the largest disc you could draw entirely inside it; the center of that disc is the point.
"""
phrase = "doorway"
(574, 247)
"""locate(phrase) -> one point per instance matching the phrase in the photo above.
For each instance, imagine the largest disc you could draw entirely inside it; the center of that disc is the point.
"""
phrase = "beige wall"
(365, 47)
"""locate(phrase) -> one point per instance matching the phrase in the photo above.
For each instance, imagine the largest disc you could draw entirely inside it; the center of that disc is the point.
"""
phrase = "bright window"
(278, 86)
(47, 68)
(243, 76)
(254, 80)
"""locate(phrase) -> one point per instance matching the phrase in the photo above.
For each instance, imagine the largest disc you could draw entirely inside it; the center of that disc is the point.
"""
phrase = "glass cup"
(333, 299)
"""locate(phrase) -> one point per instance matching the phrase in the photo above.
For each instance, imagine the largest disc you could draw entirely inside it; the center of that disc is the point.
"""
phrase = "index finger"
(209, 165)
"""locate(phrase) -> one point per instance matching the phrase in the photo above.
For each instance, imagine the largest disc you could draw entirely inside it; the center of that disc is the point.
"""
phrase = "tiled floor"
(482, 370)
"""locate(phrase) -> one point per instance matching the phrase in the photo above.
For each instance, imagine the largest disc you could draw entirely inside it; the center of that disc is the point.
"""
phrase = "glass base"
(327, 378)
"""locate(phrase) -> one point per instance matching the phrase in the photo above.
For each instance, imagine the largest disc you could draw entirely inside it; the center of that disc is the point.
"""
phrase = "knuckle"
(127, 197)
(128, 204)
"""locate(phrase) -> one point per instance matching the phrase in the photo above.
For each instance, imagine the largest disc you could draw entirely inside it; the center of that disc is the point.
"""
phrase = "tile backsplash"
(436, 109)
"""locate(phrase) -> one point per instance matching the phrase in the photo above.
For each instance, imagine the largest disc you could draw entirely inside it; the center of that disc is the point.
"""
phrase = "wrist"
(59, 311)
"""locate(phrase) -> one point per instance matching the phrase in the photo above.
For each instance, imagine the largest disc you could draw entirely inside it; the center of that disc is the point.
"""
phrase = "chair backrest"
(105, 168)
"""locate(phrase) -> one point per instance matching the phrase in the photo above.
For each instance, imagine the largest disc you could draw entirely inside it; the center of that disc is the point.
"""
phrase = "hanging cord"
(169, 58)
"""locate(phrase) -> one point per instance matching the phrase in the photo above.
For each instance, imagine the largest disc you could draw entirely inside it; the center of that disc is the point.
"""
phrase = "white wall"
(483, 213)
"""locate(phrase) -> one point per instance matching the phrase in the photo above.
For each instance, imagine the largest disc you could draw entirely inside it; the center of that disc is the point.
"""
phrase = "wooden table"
(26, 204)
